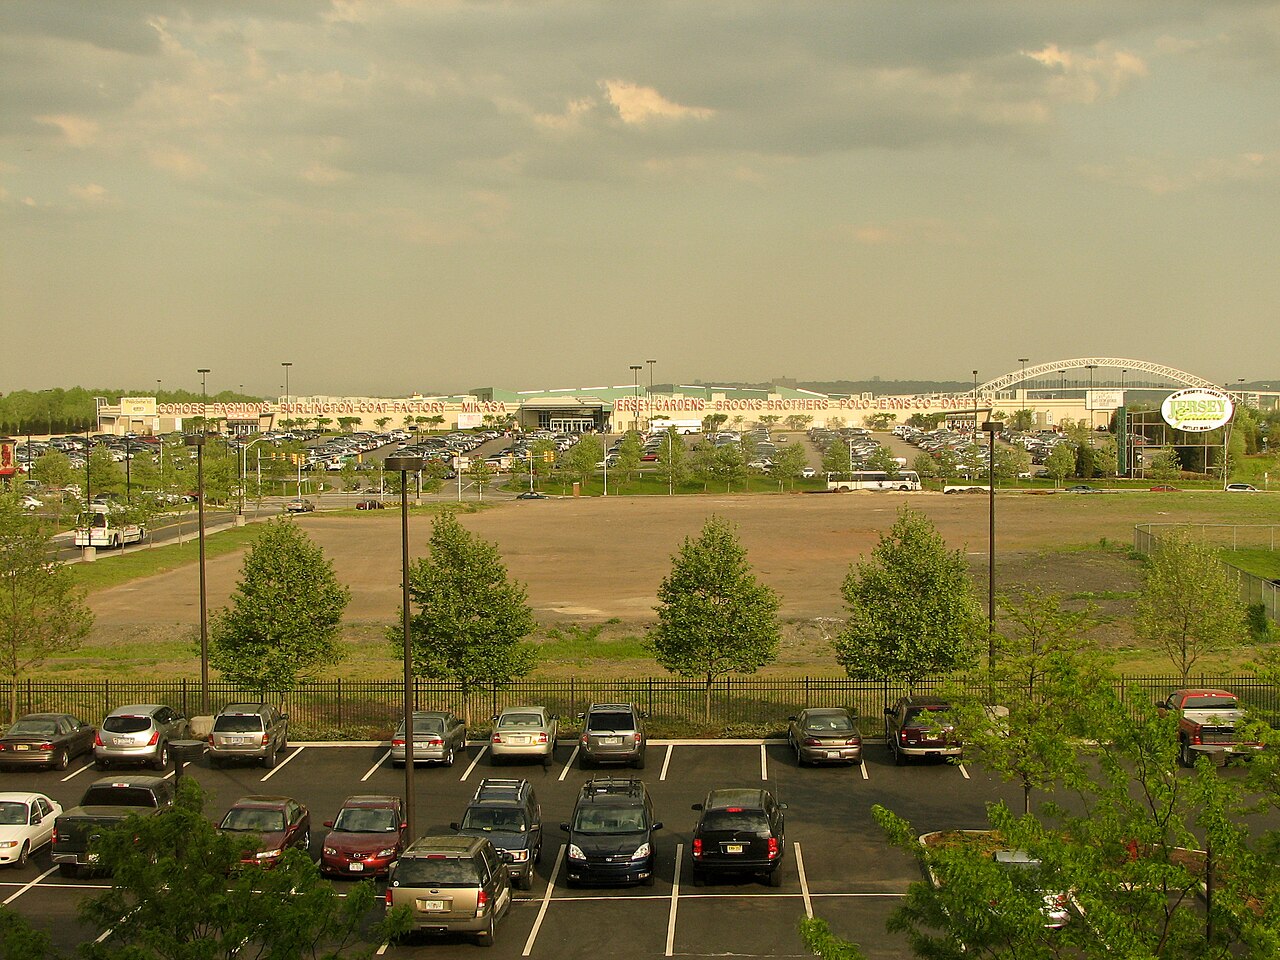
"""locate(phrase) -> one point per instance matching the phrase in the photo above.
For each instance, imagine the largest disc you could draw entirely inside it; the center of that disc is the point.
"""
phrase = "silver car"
(437, 736)
(524, 733)
(248, 731)
(138, 733)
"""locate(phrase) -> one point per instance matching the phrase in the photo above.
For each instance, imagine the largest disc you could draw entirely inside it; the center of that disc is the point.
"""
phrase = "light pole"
(1088, 402)
(992, 427)
(198, 443)
(1023, 382)
(635, 393)
(244, 469)
(649, 422)
(404, 464)
(975, 406)
(286, 364)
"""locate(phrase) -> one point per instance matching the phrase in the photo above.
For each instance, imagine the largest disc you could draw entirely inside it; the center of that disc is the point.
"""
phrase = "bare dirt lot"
(599, 561)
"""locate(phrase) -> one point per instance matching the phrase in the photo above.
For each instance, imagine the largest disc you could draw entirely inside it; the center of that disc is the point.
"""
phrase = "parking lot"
(838, 866)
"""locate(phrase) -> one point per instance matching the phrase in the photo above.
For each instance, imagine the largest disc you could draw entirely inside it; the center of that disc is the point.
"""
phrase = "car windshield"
(519, 720)
(495, 819)
(126, 724)
(232, 723)
(13, 813)
(367, 820)
(33, 728)
(736, 821)
(822, 722)
(1209, 703)
(609, 722)
(437, 872)
(598, 820)
(253, 819)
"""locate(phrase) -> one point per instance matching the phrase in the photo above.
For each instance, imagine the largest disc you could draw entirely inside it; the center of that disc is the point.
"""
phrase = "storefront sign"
(1197, 410)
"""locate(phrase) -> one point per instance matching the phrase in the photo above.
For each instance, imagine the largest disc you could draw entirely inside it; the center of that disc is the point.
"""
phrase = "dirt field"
(599, 561)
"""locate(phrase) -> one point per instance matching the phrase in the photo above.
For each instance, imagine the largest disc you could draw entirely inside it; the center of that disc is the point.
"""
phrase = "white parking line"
(382, 949)
(466, 773)
(675, 896)
(546, 901)
(863, 765)
(764, 764)
(19, 892)
(76, 773)
(666, 762)
(804, 882)
(569, 766)
(963, 771)
(280, 766)
(381, 760)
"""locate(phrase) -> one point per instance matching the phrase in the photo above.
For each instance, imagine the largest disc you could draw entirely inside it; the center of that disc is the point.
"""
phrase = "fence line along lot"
(838, 865)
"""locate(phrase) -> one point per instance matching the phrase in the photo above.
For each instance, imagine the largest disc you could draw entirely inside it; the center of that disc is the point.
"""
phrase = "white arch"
(1137, 366)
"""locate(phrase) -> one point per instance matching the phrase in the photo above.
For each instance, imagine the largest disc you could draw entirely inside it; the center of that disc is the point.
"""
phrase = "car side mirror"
(329, 824)
(582, 716)
(494, 718)
(564, 825)
(507, 856)
(404, 824)
(455, 826)
(284, 716)
(791, 719)
(696, 806)
(657, 826)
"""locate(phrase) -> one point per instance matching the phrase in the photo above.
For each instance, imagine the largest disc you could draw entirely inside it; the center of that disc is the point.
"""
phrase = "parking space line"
(666, 762)
(76, 773)
(466, 773)
(963, 771)
(804, 882)
(862, 764)
(381, 760)
(569, 766)
(280, 766)
(546, 900)
(764, 764)
(382, 949)
(675, 896)
(19, 892)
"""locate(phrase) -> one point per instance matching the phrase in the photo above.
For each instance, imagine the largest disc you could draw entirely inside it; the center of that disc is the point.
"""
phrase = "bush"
(1261, 629)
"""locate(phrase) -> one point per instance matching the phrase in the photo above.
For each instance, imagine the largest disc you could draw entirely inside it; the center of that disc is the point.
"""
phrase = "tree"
(729, 465)
(882, 459)
(471, 619)
(630, 451)
(1022, 419)
(381, 423)
(713, 422)
(349, 475)
(925, 466)
(52, 470)
(1165, 465)
(672, 459)
(42, 612)
(798, 421)
(480, 473)
(788, 465)
(1086, 468)
(179, 892)
(348, 424)
(1190, 606)
(836, 458)
(912, 613)
(582, 457)
(285, 617)
(1060, 462)
(1011, 462)
(105, 475)
(714, 617)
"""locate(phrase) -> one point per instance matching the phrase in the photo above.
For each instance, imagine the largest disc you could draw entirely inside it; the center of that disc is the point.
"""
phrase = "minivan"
(611, 833)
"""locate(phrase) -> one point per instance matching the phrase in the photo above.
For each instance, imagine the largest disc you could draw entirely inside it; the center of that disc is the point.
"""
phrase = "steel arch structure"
(1136, 366)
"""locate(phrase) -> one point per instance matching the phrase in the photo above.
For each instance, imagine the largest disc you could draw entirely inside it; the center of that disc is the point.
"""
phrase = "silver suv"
(138, 733)
(248, 731)
(612, 732)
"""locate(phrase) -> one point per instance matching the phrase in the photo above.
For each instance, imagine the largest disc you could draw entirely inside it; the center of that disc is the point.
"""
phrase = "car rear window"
(443, 872)
(736, 821)
(927, 715)
(233, 723)
(612, 720)
(118, 797)
(126, 724)
(520, 720)
(836, 722)
(33, 728)
(430, 725)
(1209, 703)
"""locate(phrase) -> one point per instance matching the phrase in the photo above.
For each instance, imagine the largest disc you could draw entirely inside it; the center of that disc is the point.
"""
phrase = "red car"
(1164, 488)
(278, 822)
(366, 836)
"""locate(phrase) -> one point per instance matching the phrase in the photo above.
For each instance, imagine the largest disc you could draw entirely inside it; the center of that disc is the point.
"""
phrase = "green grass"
(1259, 562)
(111, 571)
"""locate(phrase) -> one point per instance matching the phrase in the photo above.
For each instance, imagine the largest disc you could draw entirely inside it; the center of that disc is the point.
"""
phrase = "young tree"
(713, 422)
(912, 613)
(471, 619)
(630, 450)
(285, 617)
(714, 617)
(729, 465)
(381, 423)
(42, 612)
(882, 459)
(1011, 462)
(480, 473)
(836, 458)
(1190, 606)
(673, 459)
(702, 462)
(1165, 465)
(582, 457)
(105, 475)
(797, 422)
(788, 465)
(1061, 462)
(925, 466)
(52, 470)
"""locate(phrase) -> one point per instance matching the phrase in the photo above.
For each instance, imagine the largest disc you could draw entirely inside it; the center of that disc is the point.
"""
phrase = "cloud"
(1089, 77)
(322, 175)
(1160, 179)
(178, 162)
(636, 104)
(77, 131)
(91, 194)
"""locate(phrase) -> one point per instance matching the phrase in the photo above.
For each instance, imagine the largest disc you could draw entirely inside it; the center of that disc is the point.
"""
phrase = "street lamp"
(649, 423)
(991, 427)
(1088, 402)
(286, 364)
(405, 464)
(197, 441)
(975, 406)
(635, 394)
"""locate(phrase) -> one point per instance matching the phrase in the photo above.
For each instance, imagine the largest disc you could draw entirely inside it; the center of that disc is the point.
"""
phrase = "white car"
(1241, 488)
(808, 473)
(31, 503)
(26, 824)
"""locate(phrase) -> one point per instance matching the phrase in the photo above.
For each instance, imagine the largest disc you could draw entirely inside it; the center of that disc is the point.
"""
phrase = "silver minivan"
(138, 733)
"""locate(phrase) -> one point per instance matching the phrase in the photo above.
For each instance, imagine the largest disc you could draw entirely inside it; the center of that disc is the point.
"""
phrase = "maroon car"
(366, 836)
(920, 727)
(277, 822)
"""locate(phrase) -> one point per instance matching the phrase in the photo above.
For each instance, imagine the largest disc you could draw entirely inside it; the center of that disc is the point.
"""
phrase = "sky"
(401, 196)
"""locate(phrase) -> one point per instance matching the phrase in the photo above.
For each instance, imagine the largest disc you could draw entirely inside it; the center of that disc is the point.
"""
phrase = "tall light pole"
(635, 393)
(992, 427)
(404, 464)
(197, 441)
(286, 364)
(1023, 382)
(649, 422)
(975, 406)
(1088, 402)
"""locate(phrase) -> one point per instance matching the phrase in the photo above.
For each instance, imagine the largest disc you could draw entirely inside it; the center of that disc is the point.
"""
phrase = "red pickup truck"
(1206, 723)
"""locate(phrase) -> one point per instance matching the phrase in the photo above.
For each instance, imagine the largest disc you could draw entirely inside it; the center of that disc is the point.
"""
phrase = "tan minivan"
(451, 885)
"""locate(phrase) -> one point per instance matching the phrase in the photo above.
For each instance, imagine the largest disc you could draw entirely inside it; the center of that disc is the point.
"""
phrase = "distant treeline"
(74, 410)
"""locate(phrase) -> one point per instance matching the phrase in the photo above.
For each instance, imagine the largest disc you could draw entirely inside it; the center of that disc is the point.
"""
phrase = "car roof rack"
(500, 788)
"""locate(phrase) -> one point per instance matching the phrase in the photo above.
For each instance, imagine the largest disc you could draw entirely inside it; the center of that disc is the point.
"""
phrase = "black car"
(532, 495)
(740, 831)
(507, 813)
(45, 740)
(611, 833)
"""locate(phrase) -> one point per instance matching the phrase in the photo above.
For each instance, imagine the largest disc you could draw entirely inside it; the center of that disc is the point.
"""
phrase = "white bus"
(873, 480)
(105, 530)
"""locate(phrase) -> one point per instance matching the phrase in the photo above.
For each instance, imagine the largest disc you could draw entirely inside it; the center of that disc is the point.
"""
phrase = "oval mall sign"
(1197, 410)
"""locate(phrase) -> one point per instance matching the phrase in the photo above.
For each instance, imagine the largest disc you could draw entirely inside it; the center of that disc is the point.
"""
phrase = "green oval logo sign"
(1197, 410)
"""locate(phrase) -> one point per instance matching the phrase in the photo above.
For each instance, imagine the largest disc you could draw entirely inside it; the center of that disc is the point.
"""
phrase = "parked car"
(279, 823)
(739, 831)
(1165, 488)
(524, 733)
(26, 825)
(437, 737)
(106, 804)
(611, 833)
(451, 884)
(1207, 721)
(614, 733)
(825, 735)
(138, 733)
(31, 503)
(45, 740)
(1083, 488)
(532, 495)
(508, 814)
(1024, 868)
(371, 505)
(1241, 488)
(918, 727)
(248, 731)
(365, 838)
(808, 473)
(299, 505)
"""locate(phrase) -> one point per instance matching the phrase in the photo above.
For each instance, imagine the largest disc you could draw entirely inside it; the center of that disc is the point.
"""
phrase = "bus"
(873, 480)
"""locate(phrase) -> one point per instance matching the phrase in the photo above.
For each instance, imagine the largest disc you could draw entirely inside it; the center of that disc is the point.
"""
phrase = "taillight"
(55, 835)
(387, 897)
(697, 848)
(482, 900)
(496, 738)
(398, 742)
(542, 738)
(155, 738)
(773, 848)
(903, 736)
(853, 741)
(583, 739)
(1195, 738)
(46, 746)
(812, 742)
(211, 739)
(266, 738)
(435, 742)
(97, 739)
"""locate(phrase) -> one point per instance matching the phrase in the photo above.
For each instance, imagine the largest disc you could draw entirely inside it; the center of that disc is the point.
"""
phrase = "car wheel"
(269, 761)
(102, 764)
(537, 854)
(215, 761)
(586, 762)
(525, 882)
(696, 877)
(1184, 754)
(485, 938)
(162, 757)
(448, 758)
(397, 763)
(548, 760)
(496, 759)
(639, 762)
(899, 759)
(23, 854)
(62, 760)
(775, 876)
(648, 881)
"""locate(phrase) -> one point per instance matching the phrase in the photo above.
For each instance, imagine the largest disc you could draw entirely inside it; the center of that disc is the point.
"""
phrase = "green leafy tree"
(582, 457)
(1190, 605)
(925, 466)
(1061, 462)
(673, 458)
(836, 459)
(1086, 464)
(42, 612)
(179, 892)
(105, 475)
(52, 470)
(882, 459)
(816, 935)
(285, 617)
(19, 940)
(544, 458)
(912, 613)
(880, 421)
(713, 422)
(714, 617)
(797, 422)
(1165, 465)
(630, 450)
(381, 423)
(1010, 463)
(480, 472)
(729, 466)
(1022, 419)
(349, 476)
(788, 464)
(471, 619)
(702, 462)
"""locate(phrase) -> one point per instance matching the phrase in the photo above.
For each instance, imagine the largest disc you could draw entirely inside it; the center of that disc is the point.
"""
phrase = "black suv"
(740, 831)
(611, 833)
(508, 814)
(612, 732)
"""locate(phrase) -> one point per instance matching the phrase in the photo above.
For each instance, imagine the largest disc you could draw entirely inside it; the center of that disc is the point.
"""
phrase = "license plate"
(610, 741)
(21, 746)
(356, 867)
(121, 741)
(436, 905)
(521, 741)
(733, 848)
(833, 754)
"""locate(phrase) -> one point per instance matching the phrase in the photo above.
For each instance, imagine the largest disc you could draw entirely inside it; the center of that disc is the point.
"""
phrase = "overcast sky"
(425, 195)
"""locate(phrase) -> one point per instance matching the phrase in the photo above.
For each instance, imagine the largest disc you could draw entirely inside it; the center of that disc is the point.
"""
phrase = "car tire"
(62, 760)
(102, 764)
(649, 880)
(485, 937)
(448, 758)
(1185, 758)
(215, 762)
(269, 761)
(162, 757)
(585, 762)
(899, 759)
(496, 760)
(696, 877)
(525, 882)
(397, 764)
(550, 758)
(23, 854)
(638, 763)
(775, 876)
